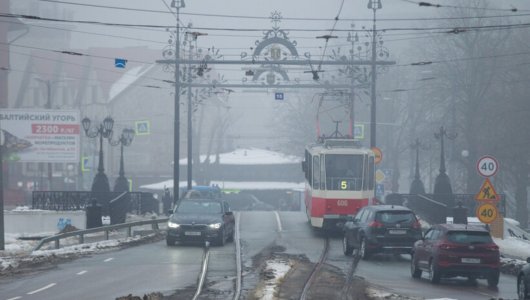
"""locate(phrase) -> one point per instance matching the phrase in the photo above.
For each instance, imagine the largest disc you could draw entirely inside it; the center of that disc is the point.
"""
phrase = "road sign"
(85, 166)
(358, 131)
(278, 96)
(378, 154)
(487, 166)
(142, 127)
(487, 192)
(487, 213)
(379, 191)
(120, 63)
(379, 176)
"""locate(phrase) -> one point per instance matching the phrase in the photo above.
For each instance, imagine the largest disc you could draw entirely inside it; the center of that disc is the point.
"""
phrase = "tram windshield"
(344, 172)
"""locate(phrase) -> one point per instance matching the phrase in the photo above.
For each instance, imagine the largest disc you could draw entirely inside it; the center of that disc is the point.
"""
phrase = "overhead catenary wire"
(436, 5)
(31, 17)
(284, 18)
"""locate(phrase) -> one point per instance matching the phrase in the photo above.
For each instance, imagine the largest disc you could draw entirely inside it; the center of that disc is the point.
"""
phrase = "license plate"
(471, 260)
(397, 231)
(193, 233)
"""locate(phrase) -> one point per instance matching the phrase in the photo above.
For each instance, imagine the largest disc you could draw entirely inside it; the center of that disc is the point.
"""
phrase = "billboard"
(41, 135)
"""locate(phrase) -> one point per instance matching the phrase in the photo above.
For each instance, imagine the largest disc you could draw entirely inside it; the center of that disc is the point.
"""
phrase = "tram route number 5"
(487, 213)
(487, 166)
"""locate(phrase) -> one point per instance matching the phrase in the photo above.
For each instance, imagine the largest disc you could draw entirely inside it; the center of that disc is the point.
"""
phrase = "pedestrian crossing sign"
(487, 192)
(142, 127)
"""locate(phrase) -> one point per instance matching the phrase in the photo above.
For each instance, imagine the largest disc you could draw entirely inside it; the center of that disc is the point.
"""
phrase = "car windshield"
(199, 207)
(469, 237)
(403, 217)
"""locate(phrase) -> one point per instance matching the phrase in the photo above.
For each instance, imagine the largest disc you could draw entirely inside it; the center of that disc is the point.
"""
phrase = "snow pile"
(274, 273)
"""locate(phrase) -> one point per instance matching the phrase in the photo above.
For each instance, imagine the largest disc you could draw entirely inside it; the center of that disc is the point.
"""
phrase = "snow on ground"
(275, 271)
(20, 251)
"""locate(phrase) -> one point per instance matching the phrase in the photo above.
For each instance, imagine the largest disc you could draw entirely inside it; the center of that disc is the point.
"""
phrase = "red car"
(450, 250)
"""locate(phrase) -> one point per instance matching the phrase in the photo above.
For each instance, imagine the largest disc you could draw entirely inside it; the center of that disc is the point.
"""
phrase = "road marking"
(278, 221)
(42, 289)
(14, 298)
(108, 259)
(82, 272)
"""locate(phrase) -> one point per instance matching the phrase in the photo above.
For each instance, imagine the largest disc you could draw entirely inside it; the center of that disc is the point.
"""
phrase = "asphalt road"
(393, 273)
(137, 270)
(155, 267)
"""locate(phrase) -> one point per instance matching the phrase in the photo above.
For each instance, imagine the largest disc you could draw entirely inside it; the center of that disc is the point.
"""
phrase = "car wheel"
(170, 241)
(434, 273)
(363, 252)
(347, 249)
(414, 271)
(221, 238)
(521, 288)
(493, 279)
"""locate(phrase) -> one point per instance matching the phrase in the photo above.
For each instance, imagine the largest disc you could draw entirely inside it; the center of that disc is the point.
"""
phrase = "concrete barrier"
(28, 222)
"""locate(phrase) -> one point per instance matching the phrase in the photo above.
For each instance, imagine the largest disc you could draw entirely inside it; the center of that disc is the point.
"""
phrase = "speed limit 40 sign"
(487, 166)
(487, 213)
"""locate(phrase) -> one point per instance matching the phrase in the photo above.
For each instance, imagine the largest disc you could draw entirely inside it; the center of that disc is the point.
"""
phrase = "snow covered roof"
(233, 185)
(251, 156)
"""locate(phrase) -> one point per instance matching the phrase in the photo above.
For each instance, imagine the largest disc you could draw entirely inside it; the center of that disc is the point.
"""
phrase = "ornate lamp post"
(417, 187)
(442, 184)
(126, 137)
(104, 130)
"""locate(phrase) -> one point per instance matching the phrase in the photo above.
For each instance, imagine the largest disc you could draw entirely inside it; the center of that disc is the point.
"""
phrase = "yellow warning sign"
(487, 213)
(487, 192)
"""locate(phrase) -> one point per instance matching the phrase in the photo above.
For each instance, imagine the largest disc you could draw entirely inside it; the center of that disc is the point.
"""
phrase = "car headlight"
(215, 226)
(172, 225)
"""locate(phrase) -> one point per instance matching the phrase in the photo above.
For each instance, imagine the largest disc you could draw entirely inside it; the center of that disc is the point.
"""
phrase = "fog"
(413, 101)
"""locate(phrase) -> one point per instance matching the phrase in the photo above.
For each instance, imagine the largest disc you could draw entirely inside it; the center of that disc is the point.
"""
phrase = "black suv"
(201, 219)
(381, 228)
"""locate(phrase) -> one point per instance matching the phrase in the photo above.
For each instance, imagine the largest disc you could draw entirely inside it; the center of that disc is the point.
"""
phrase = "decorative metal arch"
(275, 36)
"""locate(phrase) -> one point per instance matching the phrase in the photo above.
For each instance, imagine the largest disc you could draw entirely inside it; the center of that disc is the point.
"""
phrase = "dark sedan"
(200, 220)
(523, 282)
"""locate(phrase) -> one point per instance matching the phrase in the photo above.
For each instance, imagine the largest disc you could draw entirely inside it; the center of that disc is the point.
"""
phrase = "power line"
(428, 4)
(88, 32)
(284, 18)
(449, 29)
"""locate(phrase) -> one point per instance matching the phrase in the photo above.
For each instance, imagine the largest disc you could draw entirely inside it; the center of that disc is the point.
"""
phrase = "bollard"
(93, 215)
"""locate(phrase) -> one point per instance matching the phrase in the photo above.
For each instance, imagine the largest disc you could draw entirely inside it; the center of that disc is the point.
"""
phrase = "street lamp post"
(373, 5)
(126, 137)
(190, 137)
(442, 183)
(104, 130)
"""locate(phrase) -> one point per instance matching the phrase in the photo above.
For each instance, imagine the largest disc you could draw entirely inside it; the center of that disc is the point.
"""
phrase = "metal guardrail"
(81, 233)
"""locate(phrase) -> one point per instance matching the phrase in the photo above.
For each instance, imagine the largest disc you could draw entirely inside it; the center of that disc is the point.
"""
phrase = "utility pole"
(373, 5)
(178, 4)
(48, 105)
(190, 135)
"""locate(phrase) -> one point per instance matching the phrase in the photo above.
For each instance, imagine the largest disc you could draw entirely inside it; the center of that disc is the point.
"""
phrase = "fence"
(106, 229)
(433, 211)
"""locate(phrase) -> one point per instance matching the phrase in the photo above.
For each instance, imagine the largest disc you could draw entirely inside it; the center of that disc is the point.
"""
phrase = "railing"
(434, 211)
(81, 233)
(78, 200)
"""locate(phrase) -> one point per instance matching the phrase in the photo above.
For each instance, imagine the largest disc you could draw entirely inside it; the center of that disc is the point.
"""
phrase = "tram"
(339, 180)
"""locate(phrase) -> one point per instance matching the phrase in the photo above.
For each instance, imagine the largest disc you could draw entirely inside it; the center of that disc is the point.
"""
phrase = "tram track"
(207, 260)
(318, 267)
